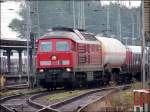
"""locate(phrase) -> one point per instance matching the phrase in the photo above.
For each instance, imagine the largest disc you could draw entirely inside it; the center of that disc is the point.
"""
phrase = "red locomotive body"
(54, 53)
(63, 56)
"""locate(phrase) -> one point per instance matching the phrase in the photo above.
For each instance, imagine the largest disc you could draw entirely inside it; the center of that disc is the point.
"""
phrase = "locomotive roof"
(65, 29)
(80, 36)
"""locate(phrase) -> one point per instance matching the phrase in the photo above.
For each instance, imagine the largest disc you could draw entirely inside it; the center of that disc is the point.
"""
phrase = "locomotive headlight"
(68, 69)
(41, 70)
(53, 57)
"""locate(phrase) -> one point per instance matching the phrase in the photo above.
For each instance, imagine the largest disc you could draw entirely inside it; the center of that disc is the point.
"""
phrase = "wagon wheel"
(115, 78)
(107, 73)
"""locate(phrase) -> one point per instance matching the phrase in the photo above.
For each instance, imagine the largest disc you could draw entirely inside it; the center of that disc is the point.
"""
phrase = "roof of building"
(13, 43)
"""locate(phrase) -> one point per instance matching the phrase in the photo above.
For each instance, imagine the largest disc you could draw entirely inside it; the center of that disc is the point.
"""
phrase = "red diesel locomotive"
(69, 57)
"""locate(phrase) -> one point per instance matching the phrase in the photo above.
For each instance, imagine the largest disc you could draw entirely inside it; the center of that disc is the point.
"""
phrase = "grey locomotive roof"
(79, 36)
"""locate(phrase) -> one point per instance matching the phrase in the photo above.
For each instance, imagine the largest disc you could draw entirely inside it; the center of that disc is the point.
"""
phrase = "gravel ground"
(18, 91)
(57, 97)
(75, 105)
(98, 106)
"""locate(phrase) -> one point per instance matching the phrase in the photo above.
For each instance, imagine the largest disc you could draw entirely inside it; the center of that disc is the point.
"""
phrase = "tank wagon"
(115, 58)
(69, 57)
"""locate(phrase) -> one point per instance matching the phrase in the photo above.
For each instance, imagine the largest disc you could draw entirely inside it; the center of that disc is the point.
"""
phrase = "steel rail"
(4, 108)
(101, 98)
(54, 107)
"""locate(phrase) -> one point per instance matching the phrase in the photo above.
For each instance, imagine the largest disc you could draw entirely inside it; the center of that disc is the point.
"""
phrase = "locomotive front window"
(45, 46)
(62, 46)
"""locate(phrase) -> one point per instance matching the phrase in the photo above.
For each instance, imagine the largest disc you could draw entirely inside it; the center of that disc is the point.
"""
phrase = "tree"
(60, 13)
(20, 25)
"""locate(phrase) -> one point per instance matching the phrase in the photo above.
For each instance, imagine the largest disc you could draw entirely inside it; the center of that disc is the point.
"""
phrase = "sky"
(7, 15)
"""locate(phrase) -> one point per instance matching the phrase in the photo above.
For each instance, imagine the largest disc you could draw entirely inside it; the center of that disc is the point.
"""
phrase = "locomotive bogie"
(53, 77)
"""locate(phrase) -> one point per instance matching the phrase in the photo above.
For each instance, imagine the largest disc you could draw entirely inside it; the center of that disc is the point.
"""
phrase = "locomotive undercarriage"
(91, 78)
(117, 75)
(52, 79)
(122, 76)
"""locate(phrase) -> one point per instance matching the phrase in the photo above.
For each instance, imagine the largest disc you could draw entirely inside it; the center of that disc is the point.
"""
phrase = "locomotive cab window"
(62, 46)
(45, 46)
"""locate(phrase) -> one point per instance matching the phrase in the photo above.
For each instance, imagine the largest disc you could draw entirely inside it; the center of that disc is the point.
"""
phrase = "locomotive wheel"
(47, 87)
(100, 83)
(50, 87)
(128, 78)
(107, 74)
(115, 78)
(68, 84)
(42, 83)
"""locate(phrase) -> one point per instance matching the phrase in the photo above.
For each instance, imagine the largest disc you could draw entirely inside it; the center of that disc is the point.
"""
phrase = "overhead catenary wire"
(119, 27)
(132, 19)
(38, 18)
(74, 14)
(78, 11)
(83, 11)
(81, 14)
(108, 24)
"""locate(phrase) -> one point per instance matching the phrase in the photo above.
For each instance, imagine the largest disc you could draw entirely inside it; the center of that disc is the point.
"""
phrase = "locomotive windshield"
(45, 46)
(62, 46)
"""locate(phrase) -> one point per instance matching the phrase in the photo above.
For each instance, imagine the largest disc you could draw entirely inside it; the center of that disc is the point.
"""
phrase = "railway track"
(18, 103)
(23, 102)
(77, 103)
(14, 87)
(26, 102)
